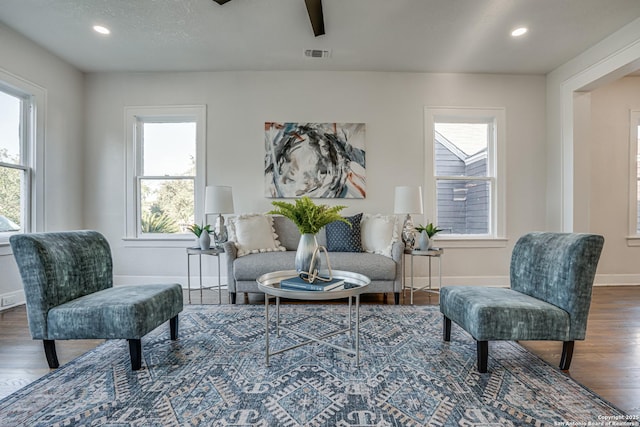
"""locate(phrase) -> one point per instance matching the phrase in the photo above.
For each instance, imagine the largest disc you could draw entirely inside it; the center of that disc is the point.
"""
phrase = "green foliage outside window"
(168, 202)
(158, 223)
(10, 189)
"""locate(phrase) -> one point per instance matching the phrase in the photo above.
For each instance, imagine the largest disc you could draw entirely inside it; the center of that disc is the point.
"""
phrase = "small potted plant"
(425, 240)
(202, 235)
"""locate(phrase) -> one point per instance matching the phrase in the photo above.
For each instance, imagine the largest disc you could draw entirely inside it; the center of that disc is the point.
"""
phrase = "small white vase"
(205, 241)
(423, 241)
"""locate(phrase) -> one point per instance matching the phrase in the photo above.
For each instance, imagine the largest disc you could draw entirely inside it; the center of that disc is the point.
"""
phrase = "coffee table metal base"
(353, 333)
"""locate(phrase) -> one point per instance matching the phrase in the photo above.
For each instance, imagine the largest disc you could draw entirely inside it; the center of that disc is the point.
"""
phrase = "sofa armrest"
(397, 251)
(231, 253)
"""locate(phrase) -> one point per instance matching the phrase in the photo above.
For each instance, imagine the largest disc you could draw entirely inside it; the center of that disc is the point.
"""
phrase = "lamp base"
(408, 233)
(221, 235)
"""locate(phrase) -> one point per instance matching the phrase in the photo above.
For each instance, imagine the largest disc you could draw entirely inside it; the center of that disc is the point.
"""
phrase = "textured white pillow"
(253, 233)
(379, 233)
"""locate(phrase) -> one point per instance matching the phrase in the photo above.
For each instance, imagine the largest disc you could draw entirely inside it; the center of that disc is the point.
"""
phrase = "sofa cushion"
(253, 266)
(342, 237)
(379, 233)
(254, 233)
(374, 266)
(287, 231)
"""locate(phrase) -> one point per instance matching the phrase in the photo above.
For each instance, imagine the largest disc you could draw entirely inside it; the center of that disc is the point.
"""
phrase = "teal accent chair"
(68, 285)
(551, 282)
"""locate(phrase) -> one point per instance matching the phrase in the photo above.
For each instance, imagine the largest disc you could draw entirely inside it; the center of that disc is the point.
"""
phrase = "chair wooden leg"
(483, 355)
(233, 297)
(135, 352)
(50, 352)
(567, 355)
(173, 327)
(396, 296)
(446, 329)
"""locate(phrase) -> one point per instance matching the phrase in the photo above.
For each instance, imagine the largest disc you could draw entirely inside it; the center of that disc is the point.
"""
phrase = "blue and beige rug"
(215, 375)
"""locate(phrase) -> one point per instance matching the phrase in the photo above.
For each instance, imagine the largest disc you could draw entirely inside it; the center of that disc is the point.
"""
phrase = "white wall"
(63, 137)
(605, 62)
(610, 106)
(238, 104)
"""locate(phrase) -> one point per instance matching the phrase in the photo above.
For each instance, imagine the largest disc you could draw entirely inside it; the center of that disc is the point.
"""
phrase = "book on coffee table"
(297, 284)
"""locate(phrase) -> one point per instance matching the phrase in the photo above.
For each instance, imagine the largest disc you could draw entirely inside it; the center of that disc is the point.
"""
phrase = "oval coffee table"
(355, 284)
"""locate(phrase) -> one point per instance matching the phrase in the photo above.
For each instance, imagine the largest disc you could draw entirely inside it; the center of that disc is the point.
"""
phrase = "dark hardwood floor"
(607, 362)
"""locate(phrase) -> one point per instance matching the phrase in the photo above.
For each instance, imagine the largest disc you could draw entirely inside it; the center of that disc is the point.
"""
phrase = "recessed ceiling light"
(102, 30)
(519, 31)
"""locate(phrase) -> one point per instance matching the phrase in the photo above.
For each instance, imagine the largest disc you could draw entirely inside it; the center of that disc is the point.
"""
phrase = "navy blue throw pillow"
(342, 238)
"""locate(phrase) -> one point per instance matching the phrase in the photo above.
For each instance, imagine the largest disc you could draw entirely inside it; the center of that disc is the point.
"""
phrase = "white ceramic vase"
(205, 241)
(424, 242)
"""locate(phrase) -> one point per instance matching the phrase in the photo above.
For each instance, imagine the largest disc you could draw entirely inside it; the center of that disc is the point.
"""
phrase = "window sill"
(633, 241)
(158, 242)
(469, 242)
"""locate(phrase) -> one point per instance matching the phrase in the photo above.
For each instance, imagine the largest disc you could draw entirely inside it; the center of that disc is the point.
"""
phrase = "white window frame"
(633, 238)
(34, 98)
(496, 170)
(134, 117)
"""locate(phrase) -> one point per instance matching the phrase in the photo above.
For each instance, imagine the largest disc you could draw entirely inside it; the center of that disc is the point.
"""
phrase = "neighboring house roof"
(457, 151)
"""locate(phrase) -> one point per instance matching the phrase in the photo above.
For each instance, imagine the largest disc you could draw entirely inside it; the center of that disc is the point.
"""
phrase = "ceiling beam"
(314, 8)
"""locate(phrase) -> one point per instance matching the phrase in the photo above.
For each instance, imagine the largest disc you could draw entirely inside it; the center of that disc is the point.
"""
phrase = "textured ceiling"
(372, 35)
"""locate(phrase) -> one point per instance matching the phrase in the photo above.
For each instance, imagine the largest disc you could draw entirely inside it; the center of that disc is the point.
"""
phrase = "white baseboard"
(11, 299)
(503, 281)
(498, 281)
(182, 280)
(617, 280)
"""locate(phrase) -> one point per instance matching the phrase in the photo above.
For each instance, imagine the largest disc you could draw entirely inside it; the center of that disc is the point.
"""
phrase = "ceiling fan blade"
(221, 1)
(314, 7)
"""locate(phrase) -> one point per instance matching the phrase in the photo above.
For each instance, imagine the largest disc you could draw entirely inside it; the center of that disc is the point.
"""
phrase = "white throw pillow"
(253, 233)
(379, 233)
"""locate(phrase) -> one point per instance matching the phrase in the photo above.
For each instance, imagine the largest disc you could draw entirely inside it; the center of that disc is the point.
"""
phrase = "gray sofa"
(385, 272)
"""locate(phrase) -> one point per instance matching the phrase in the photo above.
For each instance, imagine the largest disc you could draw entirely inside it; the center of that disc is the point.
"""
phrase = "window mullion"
(464, 178)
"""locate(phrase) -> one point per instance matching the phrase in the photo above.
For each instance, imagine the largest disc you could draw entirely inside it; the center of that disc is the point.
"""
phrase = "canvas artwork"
(319, 160)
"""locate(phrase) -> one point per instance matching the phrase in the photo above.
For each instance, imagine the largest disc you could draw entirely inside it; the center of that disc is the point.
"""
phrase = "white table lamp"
(408, 200)
(219, 200)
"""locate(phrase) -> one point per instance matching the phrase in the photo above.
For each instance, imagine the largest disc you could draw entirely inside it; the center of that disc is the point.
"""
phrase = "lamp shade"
(408, 200)
(218, 199)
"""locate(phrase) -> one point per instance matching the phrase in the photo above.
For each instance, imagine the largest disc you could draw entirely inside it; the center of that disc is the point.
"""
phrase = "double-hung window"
(465, 163)
(19, 126)
(165, 170)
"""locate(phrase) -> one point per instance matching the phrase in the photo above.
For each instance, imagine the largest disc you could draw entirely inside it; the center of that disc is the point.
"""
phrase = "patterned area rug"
(215, 375)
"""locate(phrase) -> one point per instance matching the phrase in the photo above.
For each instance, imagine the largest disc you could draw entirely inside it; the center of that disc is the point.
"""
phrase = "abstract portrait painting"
(319, 160)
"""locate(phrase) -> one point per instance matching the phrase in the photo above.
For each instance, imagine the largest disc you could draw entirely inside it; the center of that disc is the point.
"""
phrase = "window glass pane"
(463, 206)
(166, 205)
(11, 188)
(9, 128)
(461, 149)
(169, 149)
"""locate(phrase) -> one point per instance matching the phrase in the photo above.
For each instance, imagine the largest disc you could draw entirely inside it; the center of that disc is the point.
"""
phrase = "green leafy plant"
(431, 229)
(307, 216)
(157, 223)
(199, 229)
